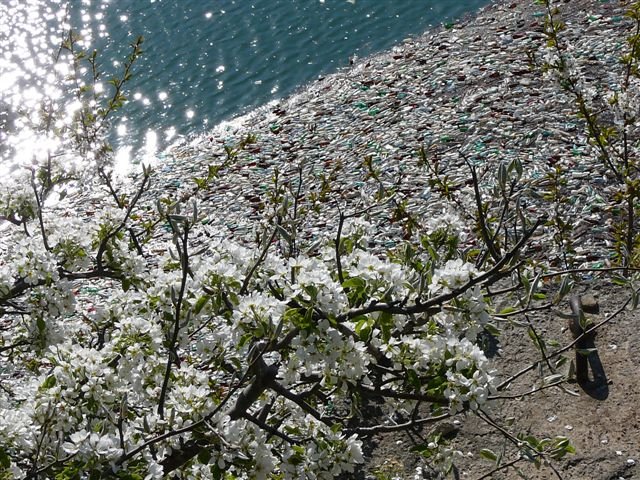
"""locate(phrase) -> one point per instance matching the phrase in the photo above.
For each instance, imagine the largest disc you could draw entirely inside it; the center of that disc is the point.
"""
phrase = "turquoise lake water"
(206, 61)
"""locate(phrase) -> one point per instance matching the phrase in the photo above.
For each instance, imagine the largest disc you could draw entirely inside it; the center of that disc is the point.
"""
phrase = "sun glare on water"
(38, 81)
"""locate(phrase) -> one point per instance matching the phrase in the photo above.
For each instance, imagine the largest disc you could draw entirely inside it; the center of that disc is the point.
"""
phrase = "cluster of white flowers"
(327, 456)
(467, 376)
(116, 374)
(452, 275)
(16, 196)
(88, 445)
(31, 261)
(359, 229)
(327, 353)
(625, 105)
(314, 283)
(384, 278)
(448, 220)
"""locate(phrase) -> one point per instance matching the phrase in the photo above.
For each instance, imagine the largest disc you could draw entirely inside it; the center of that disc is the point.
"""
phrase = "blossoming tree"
(136, 345)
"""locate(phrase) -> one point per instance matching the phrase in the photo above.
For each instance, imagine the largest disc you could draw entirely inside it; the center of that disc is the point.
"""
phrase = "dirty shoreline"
(468, 91)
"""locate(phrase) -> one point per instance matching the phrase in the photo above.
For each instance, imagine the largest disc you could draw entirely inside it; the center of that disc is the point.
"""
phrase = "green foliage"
(73, 470)
(5, 460)
(534, 449)
(489, 454)
(389, 470)
(357, 291)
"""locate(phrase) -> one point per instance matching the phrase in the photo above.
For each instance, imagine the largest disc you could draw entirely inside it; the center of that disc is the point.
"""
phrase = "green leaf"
(549, 379)
(363, 327)
(49, 382)
(537, 341)
(561, 446)
(354, 282)
(488, 454)
(356, 289)
(204, 456)
(517, 166)
(200, 304)
(5, 461)
(312, 291)
(561, 361)
(413, 379)
(298, 317)
(565, 286)
(365, 333)
(618, 280)
(201, 183)
(502, 176)
(532, 441)
(284, 234)
(42, 326)
(572, 370)
(635, 299)
(386, 324)
(506, 311)
(424, 450)
(586, 351)
(526, 283)
(492, 330)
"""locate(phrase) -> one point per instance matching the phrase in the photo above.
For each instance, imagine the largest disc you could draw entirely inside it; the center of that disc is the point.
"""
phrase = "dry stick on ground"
(538, 341)
(588, 270)
(500, 468)
(518, 396)
(366, 431)
(523, 311)
(567, 347)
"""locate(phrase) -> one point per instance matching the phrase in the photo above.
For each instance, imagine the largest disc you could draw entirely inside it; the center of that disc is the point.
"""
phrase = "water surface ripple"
(204, 61)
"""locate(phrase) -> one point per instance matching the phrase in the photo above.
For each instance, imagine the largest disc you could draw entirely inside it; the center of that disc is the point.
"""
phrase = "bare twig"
(103, 244)
(366, 431)
(172, 356)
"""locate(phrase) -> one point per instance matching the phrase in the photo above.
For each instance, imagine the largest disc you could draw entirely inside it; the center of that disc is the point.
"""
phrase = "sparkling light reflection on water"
(28, 34)
(205, 60)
